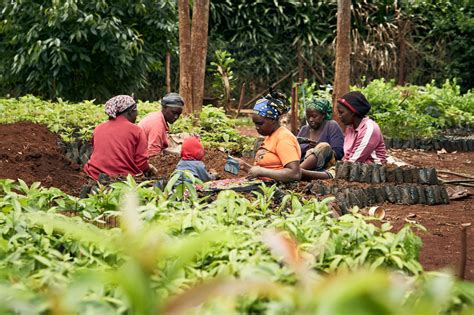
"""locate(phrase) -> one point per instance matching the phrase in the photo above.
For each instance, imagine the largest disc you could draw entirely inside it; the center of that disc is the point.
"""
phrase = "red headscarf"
(192, 149)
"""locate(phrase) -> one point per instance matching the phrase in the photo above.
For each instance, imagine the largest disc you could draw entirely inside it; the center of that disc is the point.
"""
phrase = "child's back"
(192, 153)
(195, 167)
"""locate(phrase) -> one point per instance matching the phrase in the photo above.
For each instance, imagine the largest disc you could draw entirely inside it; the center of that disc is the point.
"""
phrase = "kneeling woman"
(119, 146)
(279, 155)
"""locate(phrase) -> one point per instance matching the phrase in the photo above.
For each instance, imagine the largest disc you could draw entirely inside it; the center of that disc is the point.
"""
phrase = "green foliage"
(72, 121)
(63, 118)
(221, 68)
(263, 36)
(167, 245)
(78, 49)
(419, 111)
(216, 130)
(446, 40)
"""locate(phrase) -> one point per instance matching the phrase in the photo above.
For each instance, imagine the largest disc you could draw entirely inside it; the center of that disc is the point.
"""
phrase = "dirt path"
(442, 241)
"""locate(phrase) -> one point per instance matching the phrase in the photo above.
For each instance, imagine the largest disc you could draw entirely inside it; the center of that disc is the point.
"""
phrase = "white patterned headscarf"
(118, 104)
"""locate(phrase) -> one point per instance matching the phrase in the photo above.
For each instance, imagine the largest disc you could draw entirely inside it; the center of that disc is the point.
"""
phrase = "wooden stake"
(241, 100)
(274, 85)
(168, 72)
(294, 109)
(343, 55)
(462, 265)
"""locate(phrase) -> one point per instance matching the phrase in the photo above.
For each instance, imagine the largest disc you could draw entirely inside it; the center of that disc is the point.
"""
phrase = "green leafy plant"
(166, 245)
(223, 82)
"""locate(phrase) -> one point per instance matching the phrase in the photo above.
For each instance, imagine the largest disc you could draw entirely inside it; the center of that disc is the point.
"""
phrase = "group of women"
(282, 157)
(120, 147)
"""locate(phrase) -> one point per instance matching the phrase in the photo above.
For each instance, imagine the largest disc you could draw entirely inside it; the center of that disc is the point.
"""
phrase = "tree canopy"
(77, 49)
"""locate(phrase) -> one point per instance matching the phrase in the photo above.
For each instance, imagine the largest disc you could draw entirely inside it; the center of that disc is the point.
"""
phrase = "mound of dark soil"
(31, 152)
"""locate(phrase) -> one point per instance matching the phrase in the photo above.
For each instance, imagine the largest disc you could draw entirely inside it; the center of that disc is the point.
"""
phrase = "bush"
(419, 111)
(83, 49)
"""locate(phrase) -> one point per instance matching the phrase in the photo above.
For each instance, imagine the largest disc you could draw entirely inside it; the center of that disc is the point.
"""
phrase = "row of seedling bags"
(449, 144)
(348, 197)
(376, 173)
(77, 151)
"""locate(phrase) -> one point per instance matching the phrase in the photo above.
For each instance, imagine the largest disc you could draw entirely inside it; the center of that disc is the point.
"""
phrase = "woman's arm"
(141, 156)
(336, 140)
(366, 142)
(310, 175)
(291, 172)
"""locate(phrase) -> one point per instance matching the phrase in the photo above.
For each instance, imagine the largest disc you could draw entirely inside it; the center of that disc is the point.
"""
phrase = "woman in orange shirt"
(279, 154)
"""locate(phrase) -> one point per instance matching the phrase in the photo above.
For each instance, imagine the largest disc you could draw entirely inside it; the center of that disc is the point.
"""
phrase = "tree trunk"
(168, 72)
(241, 100)
(199, 50)
(300, 63)
(343, 51)
(294, 109)
(402, 53)
(185, 75)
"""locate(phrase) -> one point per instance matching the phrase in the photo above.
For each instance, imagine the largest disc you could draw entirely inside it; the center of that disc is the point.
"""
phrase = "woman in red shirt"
(119, 146)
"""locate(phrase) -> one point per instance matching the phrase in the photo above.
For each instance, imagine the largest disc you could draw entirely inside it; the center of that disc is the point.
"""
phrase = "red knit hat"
(192, 149)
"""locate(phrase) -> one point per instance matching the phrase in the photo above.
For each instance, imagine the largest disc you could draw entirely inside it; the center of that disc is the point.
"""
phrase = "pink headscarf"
(118, 104)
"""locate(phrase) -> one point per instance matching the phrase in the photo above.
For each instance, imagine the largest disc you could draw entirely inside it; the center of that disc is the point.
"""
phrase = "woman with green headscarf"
(327, 135)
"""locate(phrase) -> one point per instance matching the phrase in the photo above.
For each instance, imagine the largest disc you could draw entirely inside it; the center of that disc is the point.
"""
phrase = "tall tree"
(193, 50)
(343, 51)
(199, 50)
(185, 79)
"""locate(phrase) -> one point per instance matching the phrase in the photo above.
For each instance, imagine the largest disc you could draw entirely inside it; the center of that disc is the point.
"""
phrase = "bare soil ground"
(31, 152)
(442, 241)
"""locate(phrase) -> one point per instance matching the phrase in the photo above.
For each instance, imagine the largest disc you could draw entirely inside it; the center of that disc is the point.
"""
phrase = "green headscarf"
(321, 105)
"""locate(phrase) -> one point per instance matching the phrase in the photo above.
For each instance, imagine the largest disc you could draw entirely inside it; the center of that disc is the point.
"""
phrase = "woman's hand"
(254, 172)
(214, 174)
(243, 165)
(152, 171)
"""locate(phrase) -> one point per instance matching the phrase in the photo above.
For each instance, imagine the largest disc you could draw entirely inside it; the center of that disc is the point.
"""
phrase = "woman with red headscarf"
(119, 146)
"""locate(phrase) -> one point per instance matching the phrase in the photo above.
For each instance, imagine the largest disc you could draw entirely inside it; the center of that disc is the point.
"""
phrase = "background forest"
(78, 49)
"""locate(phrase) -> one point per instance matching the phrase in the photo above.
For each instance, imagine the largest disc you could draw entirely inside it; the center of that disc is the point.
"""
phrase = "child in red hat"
(192, 153)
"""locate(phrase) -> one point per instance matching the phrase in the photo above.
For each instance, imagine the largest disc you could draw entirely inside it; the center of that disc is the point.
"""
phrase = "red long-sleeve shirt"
(156, 130)
(119, 148)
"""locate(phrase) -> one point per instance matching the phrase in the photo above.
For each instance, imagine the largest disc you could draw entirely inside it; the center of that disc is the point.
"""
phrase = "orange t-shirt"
(278, 149)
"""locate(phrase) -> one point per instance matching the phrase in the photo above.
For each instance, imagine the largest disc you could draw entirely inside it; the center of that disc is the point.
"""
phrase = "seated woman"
(278, 157)
(156, 124)
(324, 131)
(363, 140)
(119, 146)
